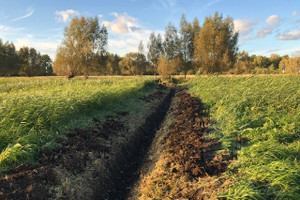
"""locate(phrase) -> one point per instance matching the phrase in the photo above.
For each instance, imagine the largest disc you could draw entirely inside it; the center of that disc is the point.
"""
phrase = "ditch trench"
(109, 161)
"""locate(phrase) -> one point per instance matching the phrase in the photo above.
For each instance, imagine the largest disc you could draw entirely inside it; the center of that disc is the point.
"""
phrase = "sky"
(265, 26)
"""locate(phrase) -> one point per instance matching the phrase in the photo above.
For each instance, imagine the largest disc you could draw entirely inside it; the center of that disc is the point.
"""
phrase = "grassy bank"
(35, 111)
(259, 119)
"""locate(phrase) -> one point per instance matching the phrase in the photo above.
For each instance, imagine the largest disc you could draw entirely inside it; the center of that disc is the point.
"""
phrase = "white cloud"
(123, 23)
(30, 12)
(126, 33)
(65, 15)
(5, 29)
(263, 32)
(125, 43)
(294, 13)
(292, 35)
(273, 20)
(244, 27)
(100, 16)
(9, 31)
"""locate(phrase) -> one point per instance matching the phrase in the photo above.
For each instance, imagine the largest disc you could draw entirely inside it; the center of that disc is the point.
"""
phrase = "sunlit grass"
(35, 111)
(266, 112)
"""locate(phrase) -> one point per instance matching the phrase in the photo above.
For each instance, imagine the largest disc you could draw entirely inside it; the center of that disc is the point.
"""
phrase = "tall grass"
(35, 111)
(266, 112)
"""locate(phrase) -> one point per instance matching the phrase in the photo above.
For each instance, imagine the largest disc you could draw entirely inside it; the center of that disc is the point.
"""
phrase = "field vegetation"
(258, 118)
(35, 111)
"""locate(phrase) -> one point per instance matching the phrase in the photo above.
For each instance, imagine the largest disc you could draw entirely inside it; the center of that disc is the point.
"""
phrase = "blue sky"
(265, 26)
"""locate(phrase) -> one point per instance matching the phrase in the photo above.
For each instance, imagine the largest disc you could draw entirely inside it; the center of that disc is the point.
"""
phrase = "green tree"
(30, 62)
(290, 65)
(141, 49)
(167, 67)
(133, 64)
(155, 50)
(83, 39)
(196, 27)
(275, 60)
(216, 44)
(46, 64)
(8, 59)
(187, 44)
(113, 64)
(261, 61)
(171, 43)
(243, 64)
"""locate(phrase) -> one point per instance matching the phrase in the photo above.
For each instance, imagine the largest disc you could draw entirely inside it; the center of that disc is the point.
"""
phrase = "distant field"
(35, 111)
(259, 119)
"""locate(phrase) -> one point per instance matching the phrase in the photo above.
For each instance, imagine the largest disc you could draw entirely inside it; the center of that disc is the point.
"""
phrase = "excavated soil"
(187, 143)
(182, 162)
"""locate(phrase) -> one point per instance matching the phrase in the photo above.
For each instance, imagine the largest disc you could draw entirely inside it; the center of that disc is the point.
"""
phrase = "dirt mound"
(185, 163)
(187, 145)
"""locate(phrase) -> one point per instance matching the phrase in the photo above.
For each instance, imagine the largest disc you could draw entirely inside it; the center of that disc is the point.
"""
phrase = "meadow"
(258, 118)
(36, 111)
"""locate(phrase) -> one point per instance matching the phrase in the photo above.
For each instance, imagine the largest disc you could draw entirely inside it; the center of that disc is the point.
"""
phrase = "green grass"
(35, 111)
(265, 111)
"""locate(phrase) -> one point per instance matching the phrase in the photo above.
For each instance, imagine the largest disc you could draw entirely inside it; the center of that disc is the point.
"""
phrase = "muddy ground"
(112, 161)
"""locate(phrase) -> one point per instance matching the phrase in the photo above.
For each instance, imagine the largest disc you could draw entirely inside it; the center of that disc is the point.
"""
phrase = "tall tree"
(8, 59)
(196, 27)
(113, 64)
(172, 42)
(187, 44)
(216, 44)
(141, 49)
(30, 62)
(186, 33)
(46, 64)
(155, 50)
(83, 38)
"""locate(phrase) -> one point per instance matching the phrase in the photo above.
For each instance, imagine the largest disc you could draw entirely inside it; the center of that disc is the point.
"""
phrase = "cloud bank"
(123, 23)
(292, 35)
(66, 15)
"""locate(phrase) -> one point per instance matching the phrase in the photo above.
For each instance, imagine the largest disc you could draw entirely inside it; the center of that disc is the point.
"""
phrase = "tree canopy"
(133, 64)
(83, 40)
(216, 44)
(25, 62)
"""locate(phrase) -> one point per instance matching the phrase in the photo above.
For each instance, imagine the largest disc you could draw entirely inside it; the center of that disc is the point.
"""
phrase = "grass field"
(35, 111)
(255, 117)
(259, 119)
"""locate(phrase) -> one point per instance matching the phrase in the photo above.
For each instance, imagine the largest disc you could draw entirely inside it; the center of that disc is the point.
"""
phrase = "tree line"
(192, 49)
(212, 47)
(25, 62)
(275, 63)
